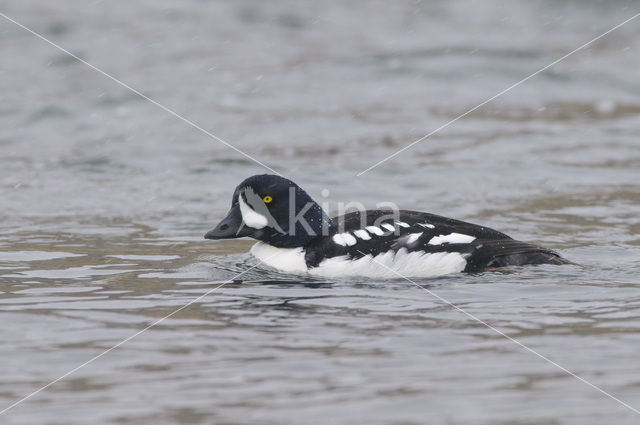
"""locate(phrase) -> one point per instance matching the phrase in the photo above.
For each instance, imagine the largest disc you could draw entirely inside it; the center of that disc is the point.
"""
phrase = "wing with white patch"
(380, 232)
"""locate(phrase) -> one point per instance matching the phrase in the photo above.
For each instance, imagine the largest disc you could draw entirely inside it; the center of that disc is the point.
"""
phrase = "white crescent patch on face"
(250, 217)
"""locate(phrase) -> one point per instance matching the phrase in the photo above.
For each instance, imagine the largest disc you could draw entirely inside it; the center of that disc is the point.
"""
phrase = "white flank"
(451, 238)
(409, 264)
(362, 234)
(427, 225)
(402, 224)
(388, 226)
(375, 230)
(413, 237)
(344, 239)
(284, 259)
(250, 217)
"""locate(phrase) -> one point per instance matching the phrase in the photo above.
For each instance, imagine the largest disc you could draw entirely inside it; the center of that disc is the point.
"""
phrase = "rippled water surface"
(105, 198)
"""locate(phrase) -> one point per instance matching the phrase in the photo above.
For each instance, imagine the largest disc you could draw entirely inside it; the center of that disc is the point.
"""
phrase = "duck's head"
(274, 210)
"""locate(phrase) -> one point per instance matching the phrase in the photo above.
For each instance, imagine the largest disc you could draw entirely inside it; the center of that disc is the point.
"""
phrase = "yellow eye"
(267, 199)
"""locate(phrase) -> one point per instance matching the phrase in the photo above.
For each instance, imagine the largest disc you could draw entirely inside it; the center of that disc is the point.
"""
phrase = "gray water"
(105, 198)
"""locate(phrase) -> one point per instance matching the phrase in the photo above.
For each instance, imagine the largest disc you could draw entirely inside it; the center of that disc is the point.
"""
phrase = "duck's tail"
(491, 254)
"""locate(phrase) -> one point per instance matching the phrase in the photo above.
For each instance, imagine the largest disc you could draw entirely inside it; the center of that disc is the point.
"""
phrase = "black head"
(274, 210)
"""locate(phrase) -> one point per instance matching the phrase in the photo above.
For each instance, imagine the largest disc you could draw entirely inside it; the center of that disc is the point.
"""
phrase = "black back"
(490, 248)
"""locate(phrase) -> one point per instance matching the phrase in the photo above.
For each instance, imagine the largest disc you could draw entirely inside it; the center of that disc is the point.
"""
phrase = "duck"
(295, 235)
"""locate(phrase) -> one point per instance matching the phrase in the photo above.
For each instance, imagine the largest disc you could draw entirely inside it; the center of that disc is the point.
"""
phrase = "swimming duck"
(295, 235)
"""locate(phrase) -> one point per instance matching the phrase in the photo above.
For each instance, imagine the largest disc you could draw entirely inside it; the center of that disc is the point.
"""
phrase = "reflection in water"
(279, 343)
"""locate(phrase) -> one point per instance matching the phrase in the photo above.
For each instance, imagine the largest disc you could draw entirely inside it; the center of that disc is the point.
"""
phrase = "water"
(105, 198)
